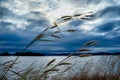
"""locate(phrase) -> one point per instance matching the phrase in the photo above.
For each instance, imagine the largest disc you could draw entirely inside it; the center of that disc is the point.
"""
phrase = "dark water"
(40, 62)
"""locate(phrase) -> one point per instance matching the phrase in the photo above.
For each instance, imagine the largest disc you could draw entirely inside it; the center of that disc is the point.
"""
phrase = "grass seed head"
(51, 62)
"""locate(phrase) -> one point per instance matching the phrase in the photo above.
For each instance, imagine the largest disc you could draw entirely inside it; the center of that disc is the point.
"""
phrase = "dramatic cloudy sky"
(22, 20)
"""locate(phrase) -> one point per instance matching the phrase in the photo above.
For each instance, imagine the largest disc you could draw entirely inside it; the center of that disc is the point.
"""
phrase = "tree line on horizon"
(53, 54)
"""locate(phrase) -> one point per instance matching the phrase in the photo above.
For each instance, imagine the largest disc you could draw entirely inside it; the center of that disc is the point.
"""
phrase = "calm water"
(40, 62)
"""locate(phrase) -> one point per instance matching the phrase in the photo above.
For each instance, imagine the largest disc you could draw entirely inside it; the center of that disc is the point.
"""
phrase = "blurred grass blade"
(46, 40)
(68, 68)
(83, 50)
(94, 44)
(89, 15)
(67, 18)
(39, 36)
(18, 74)
(29, 45)
(7, 62)
(85, 18)
(45, 30)
(85, 55)
(76, 15)
(55, 36)
(51, 70)
(57, 32)
(36, 38)
(90, 43)
(64, 63)
(71, 30)
(69, 55)
(51, 62)
(54, 26)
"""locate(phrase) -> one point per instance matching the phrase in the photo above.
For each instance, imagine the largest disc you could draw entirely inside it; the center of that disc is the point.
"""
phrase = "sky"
(22, 20)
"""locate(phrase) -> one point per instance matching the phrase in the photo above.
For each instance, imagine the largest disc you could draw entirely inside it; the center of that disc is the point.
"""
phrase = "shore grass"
(106, 68)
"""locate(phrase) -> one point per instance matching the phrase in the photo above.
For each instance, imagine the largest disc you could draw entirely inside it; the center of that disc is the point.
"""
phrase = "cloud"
(34, 15)
(24, 19)
(5, 23)
(110, 12)
(75, 23)
(83, 2)
(36, 19)
(109, 26)
(110, 22)
(105, 49)
(10, 37)
(5, 12)
(36, 23)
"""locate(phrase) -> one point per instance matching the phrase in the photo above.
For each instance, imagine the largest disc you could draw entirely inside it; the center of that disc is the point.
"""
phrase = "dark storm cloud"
(12, 43)
(78, 43)
(6, 13)
(4, 0)
(10, 50)
(110, 42)
(93, 1)
(76, 23)
(36, 23)
(84, 2)
(102, 42)
(14, 40)
(106, 27)
(29, 20)
(4, 24)
(36, 13)
(11, 46)
(36, 20)
(111, 11)
(99, 1)
(7, 36)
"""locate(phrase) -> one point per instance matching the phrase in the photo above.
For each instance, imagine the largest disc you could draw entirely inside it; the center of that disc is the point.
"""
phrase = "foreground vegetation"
(106, 68)
(54, 54)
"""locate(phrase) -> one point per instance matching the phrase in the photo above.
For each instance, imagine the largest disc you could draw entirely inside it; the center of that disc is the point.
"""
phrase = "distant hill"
(28, 54)
(54, 54)
(105, 53)
(5, 54)
(77, 53)
(22, 54)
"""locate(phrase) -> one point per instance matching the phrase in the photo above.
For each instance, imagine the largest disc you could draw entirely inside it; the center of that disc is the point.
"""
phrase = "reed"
(43, 33)
(64, 65)
(106, 68)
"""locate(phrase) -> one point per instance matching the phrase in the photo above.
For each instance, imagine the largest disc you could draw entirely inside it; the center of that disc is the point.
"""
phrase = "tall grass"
(104, 70)
(43, 34)
(107, 68)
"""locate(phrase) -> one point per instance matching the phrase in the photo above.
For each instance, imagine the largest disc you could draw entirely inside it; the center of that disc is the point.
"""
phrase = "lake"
(43, 60)
(76, 63)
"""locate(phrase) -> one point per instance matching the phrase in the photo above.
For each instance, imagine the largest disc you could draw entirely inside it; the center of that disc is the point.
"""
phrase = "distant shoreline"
(55, 54)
